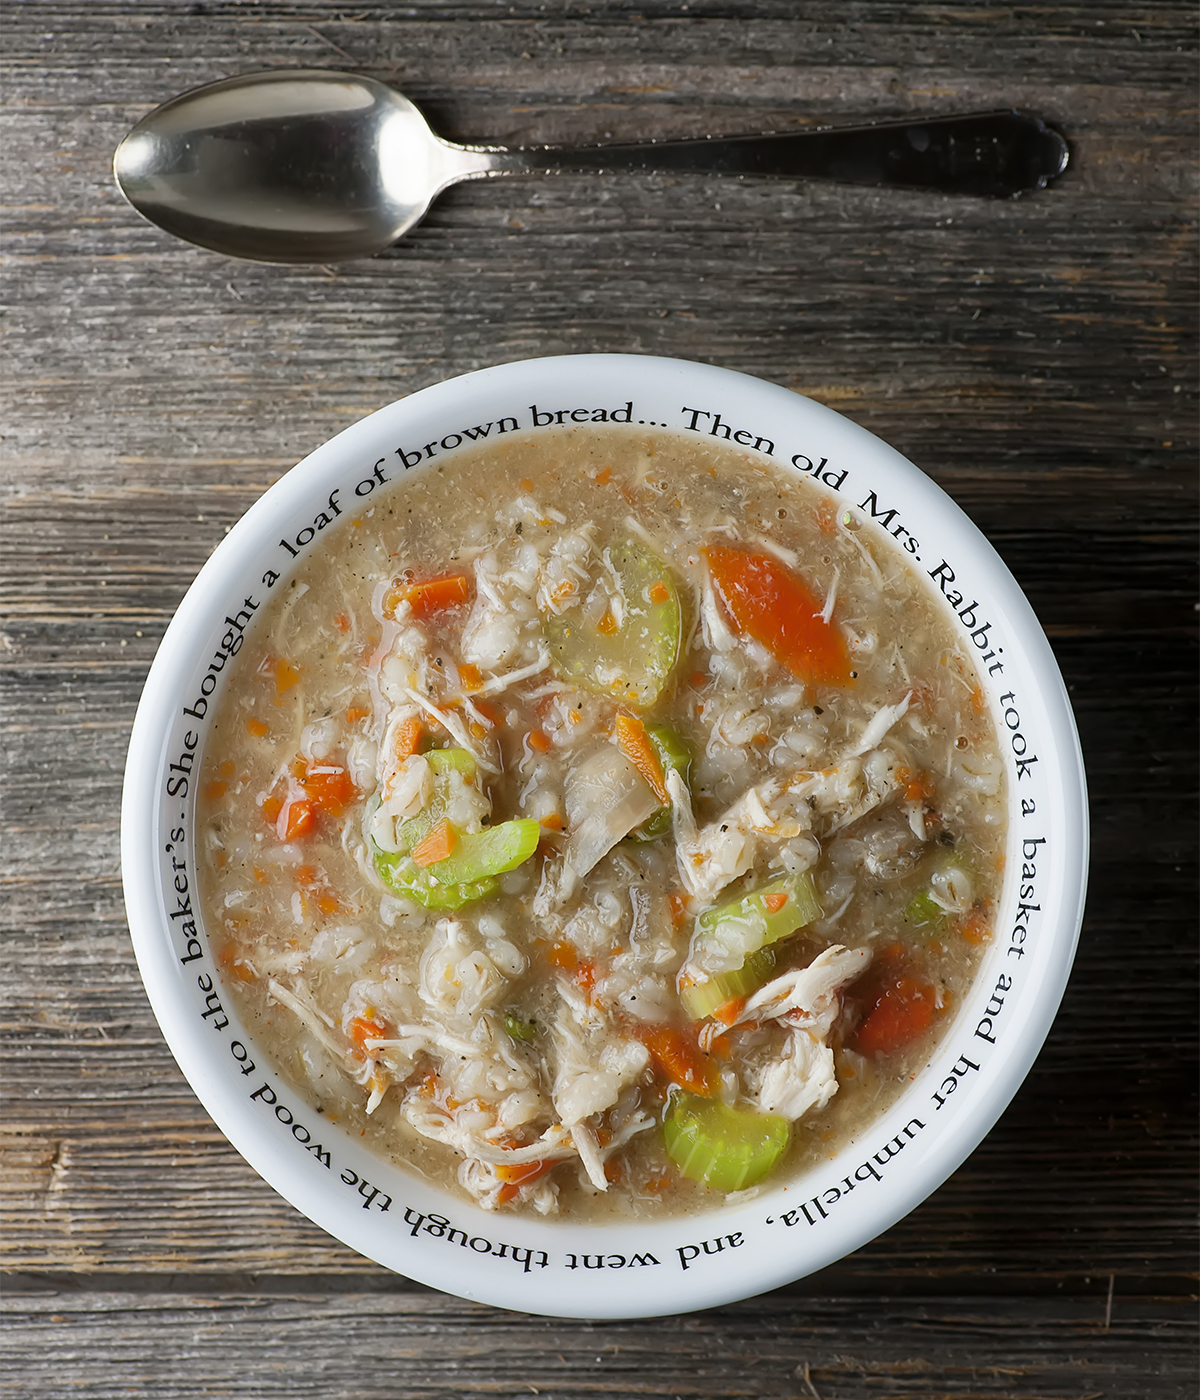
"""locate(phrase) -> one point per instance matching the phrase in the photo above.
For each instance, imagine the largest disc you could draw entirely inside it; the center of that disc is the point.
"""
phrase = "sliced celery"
(672, 754)
(479, 854)
(701, 999)
(922, 910)
(722, 1147)
(443, 763)
(627, 656)
(746, 924)
(401, 874)
(468, 873)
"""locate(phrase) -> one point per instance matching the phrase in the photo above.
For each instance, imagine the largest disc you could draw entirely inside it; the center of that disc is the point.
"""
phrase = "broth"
(601, 824)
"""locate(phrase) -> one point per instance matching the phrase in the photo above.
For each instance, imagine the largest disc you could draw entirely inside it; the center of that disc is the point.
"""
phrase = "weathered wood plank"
(102, 1345)
(1038, 358)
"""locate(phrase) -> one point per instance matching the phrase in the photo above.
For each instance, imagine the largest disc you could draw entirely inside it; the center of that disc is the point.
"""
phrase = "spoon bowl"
(310, 166)
(287, 166)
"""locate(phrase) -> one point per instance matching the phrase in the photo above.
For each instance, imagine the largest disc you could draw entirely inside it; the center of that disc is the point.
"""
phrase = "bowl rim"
(792, 1233)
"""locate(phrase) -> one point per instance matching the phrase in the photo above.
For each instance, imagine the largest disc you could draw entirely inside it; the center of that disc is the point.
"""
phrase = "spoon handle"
(986, 153)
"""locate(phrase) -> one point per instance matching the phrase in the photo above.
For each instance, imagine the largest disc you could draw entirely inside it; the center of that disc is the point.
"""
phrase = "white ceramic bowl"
(651, 1267)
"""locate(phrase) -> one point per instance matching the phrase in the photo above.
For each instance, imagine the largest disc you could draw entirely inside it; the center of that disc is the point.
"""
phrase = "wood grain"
(1038, 358)
(436, 1348)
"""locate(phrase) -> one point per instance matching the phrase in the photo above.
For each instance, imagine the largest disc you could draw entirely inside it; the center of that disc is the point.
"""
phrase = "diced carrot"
(636, 746)
(699, 678)
(976, 927)
(408, 737)
(770, 603)
(602, 478)
(327, 902)
(469, 676)
(364, 1028)
(271, 808)
(257, 728)
(562, 955)
(978, 703)
(538, 740)
(917, 786)
(286, 676)
(342, 622)
(518, 1175)
(573, 715)
(728, 1012)
(551, 821)
(299, 820)
(436, 594)
(680, 1059)
(585, 975)
(492, 714)
(564, 590)
(235, 965)
(775, 901)
(526, 484)
(356, 712)
(607, 625)
(438, 845)
(901, 1013)
(214, 790)
(677, 903)
(306, 874)
(659, 592)
(330, 786)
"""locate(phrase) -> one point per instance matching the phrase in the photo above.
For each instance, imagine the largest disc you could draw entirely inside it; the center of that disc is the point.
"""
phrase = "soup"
(603, 822)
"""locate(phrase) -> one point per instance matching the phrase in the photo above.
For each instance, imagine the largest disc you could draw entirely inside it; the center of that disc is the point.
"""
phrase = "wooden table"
(1036, 357)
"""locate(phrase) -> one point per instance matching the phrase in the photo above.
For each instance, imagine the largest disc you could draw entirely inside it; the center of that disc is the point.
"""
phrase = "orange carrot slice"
(680, 1059)
(438, 845)
(286, 676)
(408, 738)
(901, 1013)
(437, 594)
(636, 746)
(768, 602)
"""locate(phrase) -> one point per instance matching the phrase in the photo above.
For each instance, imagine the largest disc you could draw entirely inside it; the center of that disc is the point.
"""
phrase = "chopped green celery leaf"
(672, 753)
(722, 1147)
(701, 999)
(922, 910)
(751, 922)
(519, 1029)
(480, 854)
(629, 659)
(405, 877)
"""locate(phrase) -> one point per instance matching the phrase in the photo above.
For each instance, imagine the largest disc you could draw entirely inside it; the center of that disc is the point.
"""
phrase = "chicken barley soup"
(602, 823)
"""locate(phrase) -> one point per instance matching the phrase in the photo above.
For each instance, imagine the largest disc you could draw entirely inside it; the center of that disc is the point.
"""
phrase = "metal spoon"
(306, 165)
